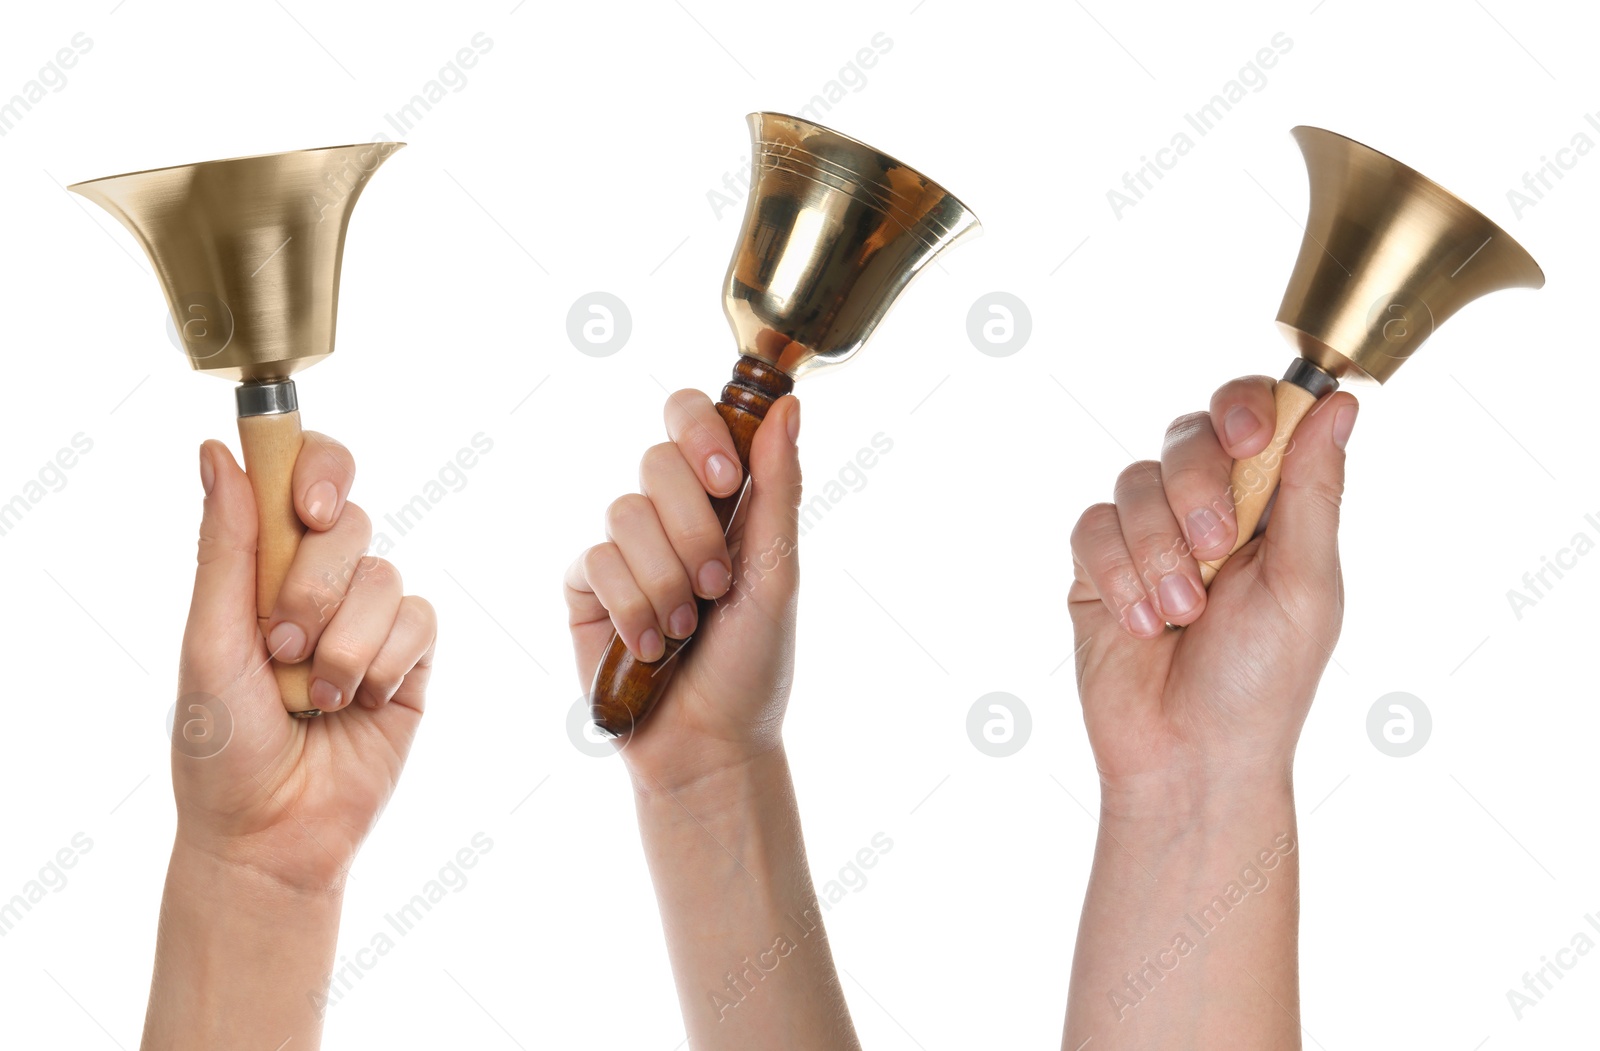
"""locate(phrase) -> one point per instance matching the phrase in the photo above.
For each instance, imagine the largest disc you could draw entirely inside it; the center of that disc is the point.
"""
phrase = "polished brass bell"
(833, 231)
(1388, 256)
(247, 251)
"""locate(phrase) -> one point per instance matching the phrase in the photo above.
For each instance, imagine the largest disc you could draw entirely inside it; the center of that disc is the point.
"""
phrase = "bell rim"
(975, 226)
(76, 186)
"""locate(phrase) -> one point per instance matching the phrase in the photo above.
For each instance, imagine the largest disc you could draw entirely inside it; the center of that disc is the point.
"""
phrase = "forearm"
(1189, 933)
(241, 960)
(743, 926)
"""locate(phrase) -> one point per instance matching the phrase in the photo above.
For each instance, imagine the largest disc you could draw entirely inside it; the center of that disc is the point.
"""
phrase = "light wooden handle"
(1255, 480)
(271, 446)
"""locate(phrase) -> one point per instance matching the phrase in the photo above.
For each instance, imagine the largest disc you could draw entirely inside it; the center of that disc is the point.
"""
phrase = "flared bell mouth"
(1307, 135)
(956, 222)
(1388, 256)
(247, 250)
(391, 146)
(834, 230)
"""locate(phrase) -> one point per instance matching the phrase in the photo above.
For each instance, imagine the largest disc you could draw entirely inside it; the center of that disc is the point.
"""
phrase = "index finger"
(1243, 413)
(697, 428)
(323, 474)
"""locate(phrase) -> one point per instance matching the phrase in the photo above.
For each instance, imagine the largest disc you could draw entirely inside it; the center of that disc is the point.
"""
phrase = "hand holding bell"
(833, 231)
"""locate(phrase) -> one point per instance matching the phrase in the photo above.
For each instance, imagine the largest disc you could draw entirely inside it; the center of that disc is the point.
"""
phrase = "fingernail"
(794, 423)
(1177, 594)
(724, 476)
(320, 499)
(1239, 424)
(287, 642)
(650, 645)
(1204, 527)
(681, 623)
(208, 473)
(1344, 422)
(325, 695)
(1142, 619)
(713, 578)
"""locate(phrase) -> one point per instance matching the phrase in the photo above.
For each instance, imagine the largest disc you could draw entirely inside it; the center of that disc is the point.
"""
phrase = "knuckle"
(341, 656)
(1245, 386)
(1320, 492)
(378, 573)
(336, 451)
(697, 537)
(317, 596)
(214, 546)
(1186, 427)
(1191, 478)
(1137, 475)
(634, 611)
(1154, 544)
(691, 399)
(627, 512)
(669, 584)
(683, 409)
(414, 609)
(383, 678)
(323, 441)
(355, 520)
(659, 457)
(1160, 553)
(595, 559)
(1092, 524)
(1119, 579)
(796, 493)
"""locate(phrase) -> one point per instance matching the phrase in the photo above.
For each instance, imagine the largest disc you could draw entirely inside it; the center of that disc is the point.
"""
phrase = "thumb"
(1304, 528)
(222, 615)
(770, 533)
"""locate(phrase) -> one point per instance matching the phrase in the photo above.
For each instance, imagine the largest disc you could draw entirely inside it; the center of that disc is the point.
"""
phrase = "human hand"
(1226, 693)
(292, 799)
(725, 704)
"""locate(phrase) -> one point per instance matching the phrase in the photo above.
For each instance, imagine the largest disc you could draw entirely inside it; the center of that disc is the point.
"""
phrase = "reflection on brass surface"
(833, 231)
(1388, 256)
(247, 250)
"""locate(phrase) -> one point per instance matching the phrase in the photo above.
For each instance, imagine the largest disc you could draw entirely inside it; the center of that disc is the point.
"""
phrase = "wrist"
(239, 953)
(727, 789)
(713, 770)
(233, 880)
(1195, 883)
(210, 869)
(302, 867)
(1190, 798)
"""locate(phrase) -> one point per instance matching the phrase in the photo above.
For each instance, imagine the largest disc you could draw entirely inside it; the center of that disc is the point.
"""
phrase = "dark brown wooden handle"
(626, 688)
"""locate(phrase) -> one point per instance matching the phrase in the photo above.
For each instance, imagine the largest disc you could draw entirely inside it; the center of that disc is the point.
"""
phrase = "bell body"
(247, 251)
(1388, 256)
(833, 231)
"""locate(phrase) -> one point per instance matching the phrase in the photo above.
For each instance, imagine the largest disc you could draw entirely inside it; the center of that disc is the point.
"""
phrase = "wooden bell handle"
(625, 687)
(1255, 480)
(271, 446)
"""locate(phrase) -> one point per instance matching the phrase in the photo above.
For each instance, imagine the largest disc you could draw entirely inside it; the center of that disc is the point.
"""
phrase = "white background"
(578, 156)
